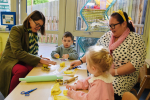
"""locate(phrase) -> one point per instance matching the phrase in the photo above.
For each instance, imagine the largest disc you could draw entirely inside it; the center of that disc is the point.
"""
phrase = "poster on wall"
(8, 19)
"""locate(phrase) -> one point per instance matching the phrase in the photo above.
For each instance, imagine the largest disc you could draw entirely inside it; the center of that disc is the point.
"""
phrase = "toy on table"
(71, 67)
(62, 59)
(62, 82)
(65, 92)
(45, 67)
(41, 78)
(62, 64)
(28, 92)
(56, 89)
(68, 72)
(56, 97)
(57, 57)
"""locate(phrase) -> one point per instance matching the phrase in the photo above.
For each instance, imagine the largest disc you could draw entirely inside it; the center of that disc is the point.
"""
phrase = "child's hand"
(65, 56)
(71, 87)
(70, 93)
(56, 55)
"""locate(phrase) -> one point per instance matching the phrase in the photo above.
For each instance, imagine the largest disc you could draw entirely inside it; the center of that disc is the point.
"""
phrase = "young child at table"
(66, 50)
(99, 84)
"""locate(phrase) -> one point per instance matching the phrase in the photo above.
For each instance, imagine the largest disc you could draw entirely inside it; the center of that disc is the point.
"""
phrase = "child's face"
(67, 42)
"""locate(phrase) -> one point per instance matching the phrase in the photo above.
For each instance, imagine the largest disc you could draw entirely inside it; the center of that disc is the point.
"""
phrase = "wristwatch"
(116, 73)
(81, 61)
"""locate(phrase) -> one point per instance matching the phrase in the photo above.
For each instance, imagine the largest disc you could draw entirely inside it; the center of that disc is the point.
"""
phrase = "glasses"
(113, 25)
(37, 25)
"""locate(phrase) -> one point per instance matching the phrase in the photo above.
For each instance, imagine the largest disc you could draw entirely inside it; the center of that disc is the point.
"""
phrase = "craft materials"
(28, 92)
(56, 89)
(60, 98)
(45, 67)
(65, 92)
(40, 78)
(71, 67)
(62, 64)
(62, 82)
(68, 72)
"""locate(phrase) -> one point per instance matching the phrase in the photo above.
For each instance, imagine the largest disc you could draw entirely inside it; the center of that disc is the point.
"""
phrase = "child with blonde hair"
(99, 83)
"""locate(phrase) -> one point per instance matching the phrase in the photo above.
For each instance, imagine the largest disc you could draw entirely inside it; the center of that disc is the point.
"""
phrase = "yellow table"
(43, 88)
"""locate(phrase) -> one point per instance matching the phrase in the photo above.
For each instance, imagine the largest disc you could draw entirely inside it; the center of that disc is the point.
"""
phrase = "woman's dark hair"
(120, 20)
(35, 15)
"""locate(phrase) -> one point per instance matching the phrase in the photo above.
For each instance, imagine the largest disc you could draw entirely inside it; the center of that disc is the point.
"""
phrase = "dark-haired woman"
(127, 49)
(21, 52)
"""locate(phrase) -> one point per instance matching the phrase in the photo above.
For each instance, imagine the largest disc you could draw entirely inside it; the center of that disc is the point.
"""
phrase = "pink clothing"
(113, 45)
(98, 90)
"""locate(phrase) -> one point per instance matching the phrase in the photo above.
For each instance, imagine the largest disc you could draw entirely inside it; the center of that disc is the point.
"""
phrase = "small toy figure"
(45, 68)
(62, 64)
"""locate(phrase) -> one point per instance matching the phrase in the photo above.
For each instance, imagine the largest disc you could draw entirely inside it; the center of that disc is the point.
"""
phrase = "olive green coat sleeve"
(16, 50)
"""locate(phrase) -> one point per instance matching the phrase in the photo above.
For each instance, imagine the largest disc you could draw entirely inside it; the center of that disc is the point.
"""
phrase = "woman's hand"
(75, 63)
(47, 62)
(71, 87)
(44, 57)
(56, 55)
(65, 56)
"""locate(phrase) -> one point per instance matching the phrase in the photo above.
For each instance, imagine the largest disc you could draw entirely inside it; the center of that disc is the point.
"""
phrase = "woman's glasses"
(37, 25)
(113, 25)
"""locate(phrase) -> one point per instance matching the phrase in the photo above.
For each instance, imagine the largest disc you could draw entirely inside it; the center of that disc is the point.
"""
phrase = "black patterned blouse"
(133, 50)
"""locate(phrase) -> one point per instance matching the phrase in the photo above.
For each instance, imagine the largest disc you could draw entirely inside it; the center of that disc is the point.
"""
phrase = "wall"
(148, 47)
(3, 40)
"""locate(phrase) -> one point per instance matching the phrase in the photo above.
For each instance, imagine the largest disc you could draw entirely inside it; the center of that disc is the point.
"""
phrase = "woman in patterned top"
(21, 52)
(127, 49)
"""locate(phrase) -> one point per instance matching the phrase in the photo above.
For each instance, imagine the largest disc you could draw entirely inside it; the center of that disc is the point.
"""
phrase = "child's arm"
(73, 55)
(81, 84)
(56, 51)
(98, 91)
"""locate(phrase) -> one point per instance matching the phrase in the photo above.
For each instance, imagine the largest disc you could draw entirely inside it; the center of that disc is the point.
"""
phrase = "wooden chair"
(148, 97)
(144, 81)
(128, 96)
(143, 86)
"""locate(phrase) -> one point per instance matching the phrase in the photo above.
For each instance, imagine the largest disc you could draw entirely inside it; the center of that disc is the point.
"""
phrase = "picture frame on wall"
(8, 19)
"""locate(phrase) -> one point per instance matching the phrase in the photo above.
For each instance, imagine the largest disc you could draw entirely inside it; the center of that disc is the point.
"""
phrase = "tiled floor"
(46, 49)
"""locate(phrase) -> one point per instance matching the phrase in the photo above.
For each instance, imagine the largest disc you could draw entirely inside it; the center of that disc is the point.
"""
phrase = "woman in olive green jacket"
(21, 52)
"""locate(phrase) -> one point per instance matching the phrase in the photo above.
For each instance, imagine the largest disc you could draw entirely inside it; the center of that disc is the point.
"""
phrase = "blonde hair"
(100, 57)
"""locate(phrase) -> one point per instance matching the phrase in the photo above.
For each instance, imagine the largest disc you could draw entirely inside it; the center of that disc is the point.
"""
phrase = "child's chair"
(128, 96)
